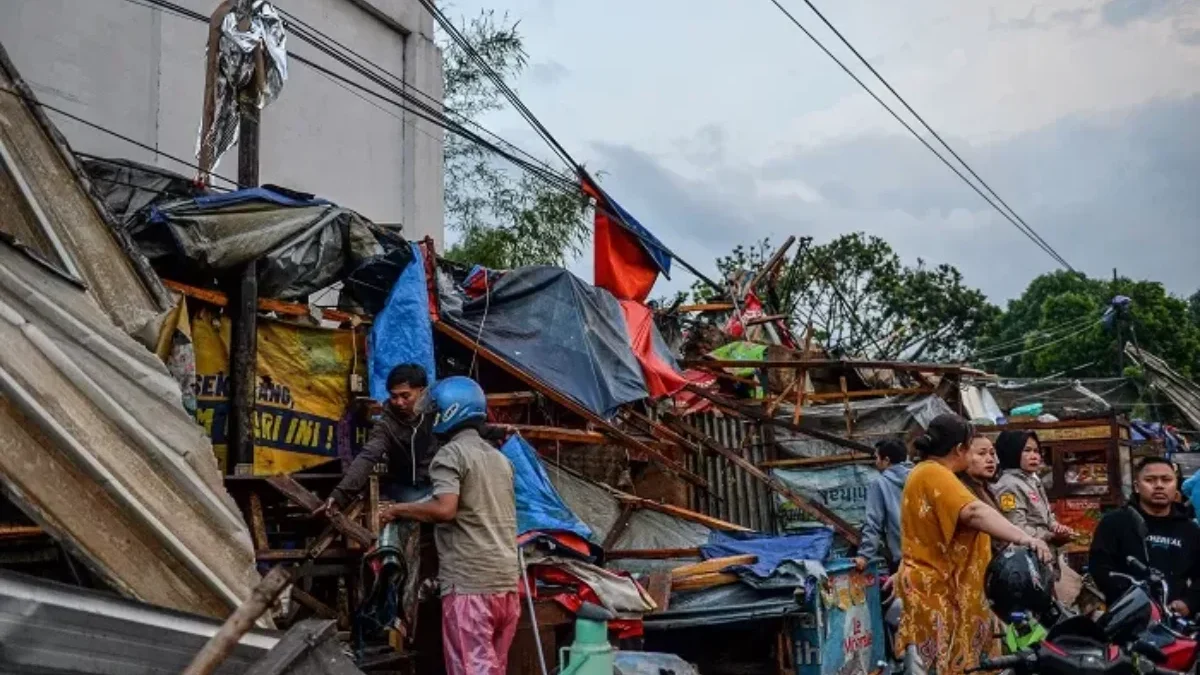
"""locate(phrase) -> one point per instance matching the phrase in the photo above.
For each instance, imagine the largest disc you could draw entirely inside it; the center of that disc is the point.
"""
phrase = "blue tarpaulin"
(539, 506)
(402, 332)
(786, 560)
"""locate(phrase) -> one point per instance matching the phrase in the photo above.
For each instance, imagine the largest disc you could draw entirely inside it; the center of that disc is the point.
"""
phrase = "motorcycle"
(1142, 615)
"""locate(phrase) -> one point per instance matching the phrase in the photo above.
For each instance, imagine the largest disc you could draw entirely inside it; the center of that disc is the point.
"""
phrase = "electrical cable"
(931, 130)
(1039, 347)
(1040, 334)
(110, 132)
(1032, 236)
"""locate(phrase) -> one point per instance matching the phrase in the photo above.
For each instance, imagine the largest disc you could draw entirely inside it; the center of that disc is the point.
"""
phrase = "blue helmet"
(457, 400)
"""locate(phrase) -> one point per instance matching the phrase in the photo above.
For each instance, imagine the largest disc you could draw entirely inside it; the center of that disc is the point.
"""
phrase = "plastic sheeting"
(236, 69)
(539, 506)
(302, 244)
(128, 190)
(841, 489)
(788, 561)
(600, 509)
(402, 332)
(650, 663)
(568, 334)
(874, 418)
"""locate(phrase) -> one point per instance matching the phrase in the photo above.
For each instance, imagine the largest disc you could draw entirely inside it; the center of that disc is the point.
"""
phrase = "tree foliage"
(1055, 327)
(504, 217)
(861, 300)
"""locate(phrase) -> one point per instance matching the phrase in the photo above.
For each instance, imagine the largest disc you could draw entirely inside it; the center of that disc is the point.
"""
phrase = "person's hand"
(860, 563)
(328, 508)
(1180, 607)
(1061, 530)
(1040, 548)
(388, 512)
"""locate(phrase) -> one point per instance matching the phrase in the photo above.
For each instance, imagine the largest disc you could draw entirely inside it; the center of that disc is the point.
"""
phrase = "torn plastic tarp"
(786, 561)
(402, 332)
(302, 244)
(247, 25)
(539, 506)
(723, 605)
(128, 190)
(658, 364)
(568, 334)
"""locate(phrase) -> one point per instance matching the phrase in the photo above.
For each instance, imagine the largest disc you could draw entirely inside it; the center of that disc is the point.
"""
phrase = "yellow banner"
(300, 417)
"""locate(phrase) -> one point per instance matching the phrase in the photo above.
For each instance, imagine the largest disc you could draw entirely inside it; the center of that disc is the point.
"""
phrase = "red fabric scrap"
(621, 265)
(661, 378)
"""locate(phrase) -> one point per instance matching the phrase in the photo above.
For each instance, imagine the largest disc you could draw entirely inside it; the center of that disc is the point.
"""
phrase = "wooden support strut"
(758, 416)
(302, 497)
(604, 425)
(901, 366)
(818, 511)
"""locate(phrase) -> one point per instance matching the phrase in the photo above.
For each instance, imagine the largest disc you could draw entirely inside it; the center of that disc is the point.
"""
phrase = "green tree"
(1055, 327)
(861, 300)
(505, 218)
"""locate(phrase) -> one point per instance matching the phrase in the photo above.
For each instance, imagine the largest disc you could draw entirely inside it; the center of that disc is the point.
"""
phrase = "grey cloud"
(1106, 193)
(547, 73)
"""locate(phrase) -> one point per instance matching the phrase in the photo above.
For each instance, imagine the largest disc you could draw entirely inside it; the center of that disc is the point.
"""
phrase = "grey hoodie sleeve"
(874, 522)
(359, 472)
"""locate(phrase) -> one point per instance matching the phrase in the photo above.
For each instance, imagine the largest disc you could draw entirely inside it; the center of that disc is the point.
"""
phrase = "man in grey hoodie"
(881, 528)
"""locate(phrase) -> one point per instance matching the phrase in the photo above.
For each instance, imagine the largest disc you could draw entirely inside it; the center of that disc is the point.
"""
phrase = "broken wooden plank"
(701, 582)
(713, 565)
(658, 587)
(258, 524)
(706, 307)
(759, 416)
(901, 366)
(619, 527)
(221, 644)
(292, 309)
(287, 554)
(817, 462)
(302, 497)
(509, 399)
(681, 513)
(616, 434)
(318, 608)
(869, 393)
(818, 511)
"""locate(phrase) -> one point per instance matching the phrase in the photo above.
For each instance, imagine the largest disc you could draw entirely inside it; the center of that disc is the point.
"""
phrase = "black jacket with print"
(1172, 543)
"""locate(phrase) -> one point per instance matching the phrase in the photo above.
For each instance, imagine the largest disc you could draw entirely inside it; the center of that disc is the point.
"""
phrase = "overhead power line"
(1038, 347)
(1012, 218)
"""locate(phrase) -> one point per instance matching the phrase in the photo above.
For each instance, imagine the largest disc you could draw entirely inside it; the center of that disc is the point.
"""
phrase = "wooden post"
(243, 338)
(802, 376)
(222, 644)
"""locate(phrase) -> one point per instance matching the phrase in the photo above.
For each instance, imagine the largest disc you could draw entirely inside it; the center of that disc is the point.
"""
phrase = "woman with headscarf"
(1019, 490)
(946, 533)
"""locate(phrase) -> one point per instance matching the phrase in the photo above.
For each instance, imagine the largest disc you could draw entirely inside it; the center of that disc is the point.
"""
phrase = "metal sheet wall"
(733, 495)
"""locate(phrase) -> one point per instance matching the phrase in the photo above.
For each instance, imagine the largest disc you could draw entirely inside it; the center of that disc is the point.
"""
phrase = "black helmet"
(1018, 582)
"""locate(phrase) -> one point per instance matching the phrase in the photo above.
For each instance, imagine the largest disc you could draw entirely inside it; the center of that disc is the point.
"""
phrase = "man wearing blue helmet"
(474, 509)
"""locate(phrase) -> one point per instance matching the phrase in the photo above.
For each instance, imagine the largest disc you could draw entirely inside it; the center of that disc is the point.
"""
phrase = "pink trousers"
(477, 631)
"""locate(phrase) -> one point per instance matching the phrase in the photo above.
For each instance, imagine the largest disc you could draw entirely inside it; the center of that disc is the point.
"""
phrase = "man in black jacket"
(403, 437)
(1169, 540)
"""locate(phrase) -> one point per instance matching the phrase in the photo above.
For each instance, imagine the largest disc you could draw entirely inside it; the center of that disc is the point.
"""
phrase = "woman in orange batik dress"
(945, 552)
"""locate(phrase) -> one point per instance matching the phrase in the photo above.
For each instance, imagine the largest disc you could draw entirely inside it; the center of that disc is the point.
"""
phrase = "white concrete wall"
(140, 71)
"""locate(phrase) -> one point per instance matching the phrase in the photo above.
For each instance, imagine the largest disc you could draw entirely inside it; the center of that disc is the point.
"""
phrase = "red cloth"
(752, 308)
(661, 378)
(477, 632)
(623, 629)
(621, 266)
(687, 403)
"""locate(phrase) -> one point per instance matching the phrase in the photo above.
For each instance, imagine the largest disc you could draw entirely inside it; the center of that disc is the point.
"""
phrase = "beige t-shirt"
(477, 551)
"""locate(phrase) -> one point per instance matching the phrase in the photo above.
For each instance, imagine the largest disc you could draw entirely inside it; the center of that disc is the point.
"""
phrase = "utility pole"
(1117, 325)
(243, 306)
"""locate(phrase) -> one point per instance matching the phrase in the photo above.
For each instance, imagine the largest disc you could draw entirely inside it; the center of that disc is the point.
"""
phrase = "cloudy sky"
(717, 122)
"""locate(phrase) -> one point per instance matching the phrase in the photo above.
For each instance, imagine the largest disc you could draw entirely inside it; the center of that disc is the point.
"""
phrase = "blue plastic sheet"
(402, 332)
(783, 561)
(539, 506)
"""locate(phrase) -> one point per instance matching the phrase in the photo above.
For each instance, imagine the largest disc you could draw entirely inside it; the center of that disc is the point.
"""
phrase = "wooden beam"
(653, 554)
(748, 411)
(900, 366)
(258, 524)
(619, 527)
(713, 565)
(818, 511)
(681, 513)
(297, 554)
(302, 497)
(510, 399)
(700, 582)
(318, 608)
(774, 261)
(816, 462)
(604, 425)
(658, 587)
(292, 309)
(869, 393)
(707, 307)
